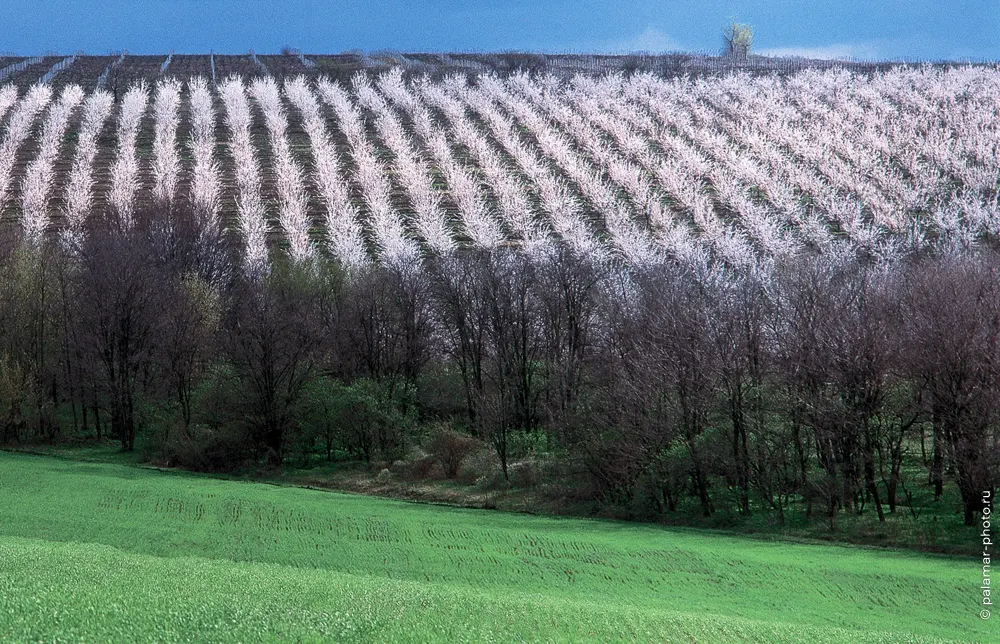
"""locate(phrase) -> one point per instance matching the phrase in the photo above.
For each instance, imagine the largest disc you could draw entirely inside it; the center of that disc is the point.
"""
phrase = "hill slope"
(95, 552)
(738, 168)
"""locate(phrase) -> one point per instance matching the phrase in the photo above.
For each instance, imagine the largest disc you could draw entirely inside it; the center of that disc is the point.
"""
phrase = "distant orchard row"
(736, 170)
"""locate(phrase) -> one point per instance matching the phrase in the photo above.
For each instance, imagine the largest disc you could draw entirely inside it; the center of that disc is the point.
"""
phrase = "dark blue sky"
(927, 29)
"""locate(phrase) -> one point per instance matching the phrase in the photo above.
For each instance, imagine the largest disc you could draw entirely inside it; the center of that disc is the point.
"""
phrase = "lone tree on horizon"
(739, 39)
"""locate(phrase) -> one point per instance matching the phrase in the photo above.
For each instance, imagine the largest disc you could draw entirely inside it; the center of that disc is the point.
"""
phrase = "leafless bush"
(450, 448)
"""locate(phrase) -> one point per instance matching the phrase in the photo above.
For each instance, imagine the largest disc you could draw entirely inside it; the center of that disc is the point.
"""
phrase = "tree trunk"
(937, 464)
(869, 470)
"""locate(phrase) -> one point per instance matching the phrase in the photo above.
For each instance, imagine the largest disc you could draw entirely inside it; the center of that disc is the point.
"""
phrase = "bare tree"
(386, 321)
(680, 366)
(738, 324)
(570, 295)
(807, 301)
(119, 296)
(954, 334)
(275, 332)
(197, 262)
(510, 397)
(461, 314)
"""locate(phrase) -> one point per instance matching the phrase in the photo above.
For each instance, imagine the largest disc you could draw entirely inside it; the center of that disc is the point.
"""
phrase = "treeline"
(815, 380)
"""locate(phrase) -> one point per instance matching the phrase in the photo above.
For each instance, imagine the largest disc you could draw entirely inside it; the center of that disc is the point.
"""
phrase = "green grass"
(97, 552)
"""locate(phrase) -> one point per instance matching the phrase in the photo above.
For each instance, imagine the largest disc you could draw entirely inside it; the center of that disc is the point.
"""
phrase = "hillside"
(420, 157)
(94, 551)
(760, 297)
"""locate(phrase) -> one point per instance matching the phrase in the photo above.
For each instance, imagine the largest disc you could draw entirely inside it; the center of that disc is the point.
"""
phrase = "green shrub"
(362, 418)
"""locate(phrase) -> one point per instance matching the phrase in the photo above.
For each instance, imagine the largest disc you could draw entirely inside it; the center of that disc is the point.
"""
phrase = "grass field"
(98, 552)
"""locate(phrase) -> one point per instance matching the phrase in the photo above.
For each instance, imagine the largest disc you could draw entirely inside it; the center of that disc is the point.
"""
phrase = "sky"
(883, 29)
